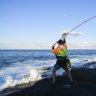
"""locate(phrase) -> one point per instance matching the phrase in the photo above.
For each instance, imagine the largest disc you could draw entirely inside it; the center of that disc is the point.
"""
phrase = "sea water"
(24, 66)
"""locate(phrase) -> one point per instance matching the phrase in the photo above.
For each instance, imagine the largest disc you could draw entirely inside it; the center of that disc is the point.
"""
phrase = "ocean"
(20, 67)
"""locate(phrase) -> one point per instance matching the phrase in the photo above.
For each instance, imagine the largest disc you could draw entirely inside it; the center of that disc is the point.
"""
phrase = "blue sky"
(37, 24)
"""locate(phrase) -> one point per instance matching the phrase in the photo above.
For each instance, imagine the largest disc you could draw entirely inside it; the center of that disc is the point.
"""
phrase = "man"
(61, 56)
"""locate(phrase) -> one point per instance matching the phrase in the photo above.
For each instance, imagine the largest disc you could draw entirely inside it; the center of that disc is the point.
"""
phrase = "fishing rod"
(77, 27)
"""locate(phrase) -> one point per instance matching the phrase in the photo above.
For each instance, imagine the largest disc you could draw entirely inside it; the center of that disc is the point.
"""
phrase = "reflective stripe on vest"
(62, 53)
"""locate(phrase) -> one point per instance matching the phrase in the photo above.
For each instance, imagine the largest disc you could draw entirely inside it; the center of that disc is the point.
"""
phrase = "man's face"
(59, 44)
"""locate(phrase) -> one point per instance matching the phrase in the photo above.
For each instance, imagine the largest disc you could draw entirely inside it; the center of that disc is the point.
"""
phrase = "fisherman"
(62, 60)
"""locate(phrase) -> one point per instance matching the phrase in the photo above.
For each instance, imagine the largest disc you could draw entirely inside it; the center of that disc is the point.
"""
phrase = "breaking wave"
(11, 77)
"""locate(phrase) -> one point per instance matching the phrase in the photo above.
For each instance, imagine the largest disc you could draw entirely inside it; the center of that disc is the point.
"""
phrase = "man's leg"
(68, 73)
(53, 75)
(55, 68)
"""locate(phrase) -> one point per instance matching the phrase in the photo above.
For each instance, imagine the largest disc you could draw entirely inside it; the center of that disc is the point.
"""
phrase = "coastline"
(82, 87)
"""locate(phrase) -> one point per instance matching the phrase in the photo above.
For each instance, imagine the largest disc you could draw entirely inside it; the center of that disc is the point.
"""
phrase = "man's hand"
(64, 35)
(52, 47)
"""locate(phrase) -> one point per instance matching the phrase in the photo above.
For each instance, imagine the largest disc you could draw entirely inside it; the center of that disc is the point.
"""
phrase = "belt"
(61, 57)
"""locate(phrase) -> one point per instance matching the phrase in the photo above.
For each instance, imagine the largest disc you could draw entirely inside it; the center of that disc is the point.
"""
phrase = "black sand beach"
(84, 85)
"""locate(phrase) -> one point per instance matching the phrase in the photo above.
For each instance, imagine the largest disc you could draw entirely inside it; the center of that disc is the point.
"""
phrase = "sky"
(37, 24)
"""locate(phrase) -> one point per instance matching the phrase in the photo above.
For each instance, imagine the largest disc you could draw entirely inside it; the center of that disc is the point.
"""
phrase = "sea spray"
(31, 75)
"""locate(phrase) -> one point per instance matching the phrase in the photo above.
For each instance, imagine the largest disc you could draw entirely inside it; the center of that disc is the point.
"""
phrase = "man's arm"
(55, 51)
(64, 40)
(65, 45)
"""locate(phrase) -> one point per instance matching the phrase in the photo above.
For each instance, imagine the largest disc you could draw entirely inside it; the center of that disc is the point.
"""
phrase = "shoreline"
(82, 87)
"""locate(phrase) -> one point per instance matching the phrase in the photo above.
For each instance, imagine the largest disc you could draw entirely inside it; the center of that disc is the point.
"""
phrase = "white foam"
(22, 75)
(92, 66)
(76, 62)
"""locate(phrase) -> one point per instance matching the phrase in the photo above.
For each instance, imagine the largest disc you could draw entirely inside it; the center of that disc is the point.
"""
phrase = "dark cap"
(60, 42)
